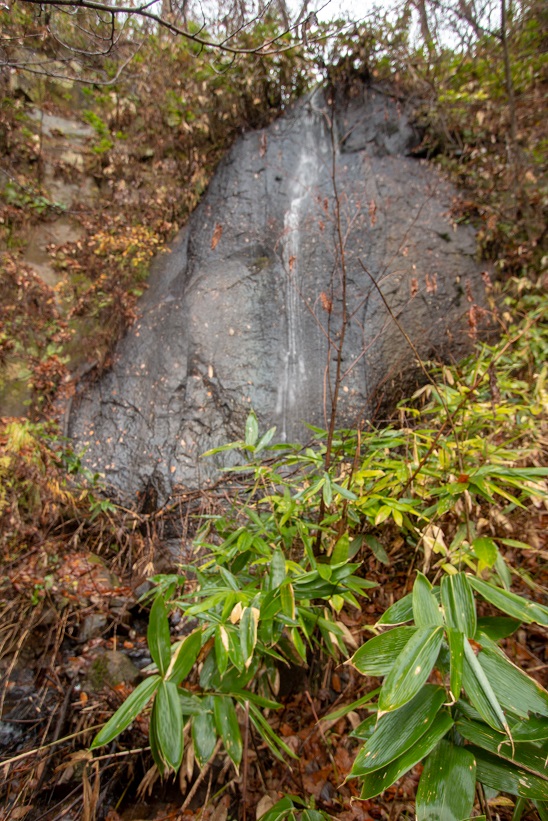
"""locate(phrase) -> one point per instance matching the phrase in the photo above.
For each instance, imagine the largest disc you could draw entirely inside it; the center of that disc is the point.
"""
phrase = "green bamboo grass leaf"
(507, 777)
(312, 815)
(515, 606)
(226, 722)
(222, 646)
(265, 439)
(486, 550)
(154, 744)
(480, 692)
(365, 730)
(277, 569)
(278, 747)
(168, 719)
(347, 708)
(402, 610)
(280, 809)
(447, 786)
(204, 734)
(251, 429)
(456, 641)
(340, 551)
(298, 643)
(377, 549)
(248, 633)
(514, 689)
(399, 730)
(287, 600)
(184, 657)
(376, 782)
(426, 611)
(158, 637)
(129, 710)
(458, 604)
(411, 669)
(495, 628)
(377, 656)
(528, 755)
(534, 728)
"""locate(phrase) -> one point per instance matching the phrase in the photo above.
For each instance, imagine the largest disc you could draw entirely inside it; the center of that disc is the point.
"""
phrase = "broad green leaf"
(251, 429)
(426, 611)
(222, 646)
(377, 549)
(399, 730)
(265, 439)
(479, 691)
(503, 572)
(398, 613)
(515, 606)
(534, 728)
(279, 810)
(507, 777)
(365, 730)
(447, 786)
(411, 669)
(168, 720)
(344, 492)
(377, 656)
(458, 604)
(456, 641)
(530, 756)
(226, 722)
(376, 782)
(154, 744)
(248, 633)
(287, 600)
(235, 651)
(130, 709)
(242, 696)
(485, 550)
(277, 569)
(158, 637)
(184, 657)
(340, 551)
(495, 627)
(204, 734)
(312, 815)
(298, 643)
(514, 689)
(402, 610)
(191, 705)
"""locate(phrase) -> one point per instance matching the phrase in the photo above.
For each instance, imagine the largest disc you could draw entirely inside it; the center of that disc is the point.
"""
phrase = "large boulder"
(246, 311)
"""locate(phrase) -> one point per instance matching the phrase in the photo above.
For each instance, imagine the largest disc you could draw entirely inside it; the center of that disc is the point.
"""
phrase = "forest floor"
(76, 640)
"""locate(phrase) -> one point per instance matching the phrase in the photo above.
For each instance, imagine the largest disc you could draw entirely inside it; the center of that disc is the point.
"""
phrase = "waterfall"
(294, 372)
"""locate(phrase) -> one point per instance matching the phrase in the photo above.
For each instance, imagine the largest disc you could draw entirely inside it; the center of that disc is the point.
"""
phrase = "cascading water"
(294, 373)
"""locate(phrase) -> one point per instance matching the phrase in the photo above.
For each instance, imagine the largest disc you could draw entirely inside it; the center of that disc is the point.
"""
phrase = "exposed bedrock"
(246, 310)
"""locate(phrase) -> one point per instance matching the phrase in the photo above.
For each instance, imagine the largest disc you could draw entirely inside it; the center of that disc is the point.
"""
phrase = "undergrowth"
(454, 475)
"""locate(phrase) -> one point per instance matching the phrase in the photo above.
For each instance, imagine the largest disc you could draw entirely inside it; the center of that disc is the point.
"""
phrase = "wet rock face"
(246, 310)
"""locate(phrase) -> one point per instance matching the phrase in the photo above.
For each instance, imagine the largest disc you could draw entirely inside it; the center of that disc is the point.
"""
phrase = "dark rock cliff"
(246, 310)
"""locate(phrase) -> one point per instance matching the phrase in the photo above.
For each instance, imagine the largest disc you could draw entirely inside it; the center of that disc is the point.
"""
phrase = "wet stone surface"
(246, 311)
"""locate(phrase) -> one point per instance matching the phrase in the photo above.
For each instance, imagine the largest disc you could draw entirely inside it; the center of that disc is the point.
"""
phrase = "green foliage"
(262, 600)
(466, 728)
(293, 808)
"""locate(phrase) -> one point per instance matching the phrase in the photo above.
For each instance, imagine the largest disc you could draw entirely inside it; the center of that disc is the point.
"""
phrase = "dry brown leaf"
(217, 234)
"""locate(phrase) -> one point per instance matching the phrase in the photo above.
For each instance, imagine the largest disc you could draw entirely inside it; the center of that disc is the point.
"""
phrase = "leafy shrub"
(486, 720)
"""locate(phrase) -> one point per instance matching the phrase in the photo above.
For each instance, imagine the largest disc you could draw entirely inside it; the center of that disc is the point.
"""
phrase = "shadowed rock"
(246, 311)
